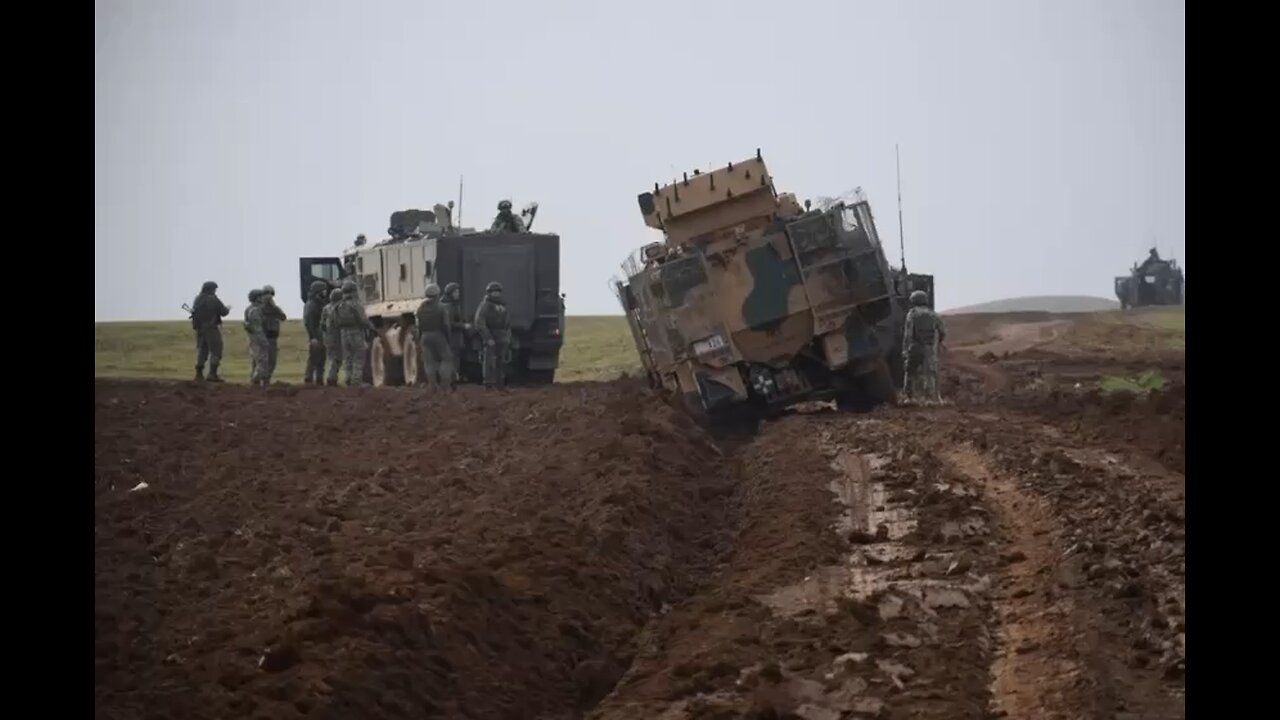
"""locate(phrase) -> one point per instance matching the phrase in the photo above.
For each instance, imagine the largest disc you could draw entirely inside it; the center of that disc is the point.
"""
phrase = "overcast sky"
(1042, 142)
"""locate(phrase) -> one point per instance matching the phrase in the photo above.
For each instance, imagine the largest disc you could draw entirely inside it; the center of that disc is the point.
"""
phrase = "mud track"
(584, 551)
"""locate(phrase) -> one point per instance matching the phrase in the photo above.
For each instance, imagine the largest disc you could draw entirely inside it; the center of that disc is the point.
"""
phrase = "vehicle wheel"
(412, 367)
(870, 390)
(386, 368)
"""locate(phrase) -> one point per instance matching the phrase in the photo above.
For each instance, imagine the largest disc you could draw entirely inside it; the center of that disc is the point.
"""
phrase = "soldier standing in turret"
(920, 339)
(495, 329)
(207, 312)
(272, 316)
(505, 220)
(319, 297)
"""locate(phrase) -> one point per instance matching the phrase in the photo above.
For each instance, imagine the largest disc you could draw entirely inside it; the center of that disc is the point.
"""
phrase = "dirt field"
(583, 551)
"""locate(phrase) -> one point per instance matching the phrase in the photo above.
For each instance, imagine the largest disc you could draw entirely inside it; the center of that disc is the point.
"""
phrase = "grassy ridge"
(596, 347)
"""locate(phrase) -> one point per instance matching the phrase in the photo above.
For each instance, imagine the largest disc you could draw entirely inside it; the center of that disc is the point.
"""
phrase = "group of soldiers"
(337, 328)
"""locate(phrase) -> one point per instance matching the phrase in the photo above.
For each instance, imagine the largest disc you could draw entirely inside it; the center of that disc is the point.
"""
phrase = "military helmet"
(451, 287)
(494, 286)
(504, 205)
(268, 290)
(254, 294)
(208, 286)
(335, 295)
(349, 286)
(433, 290)
(318, 285)
(918, 297)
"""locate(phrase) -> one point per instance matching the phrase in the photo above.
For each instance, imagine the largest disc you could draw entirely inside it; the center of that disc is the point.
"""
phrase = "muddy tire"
(412, 368)
(870, 390)
(386, 369)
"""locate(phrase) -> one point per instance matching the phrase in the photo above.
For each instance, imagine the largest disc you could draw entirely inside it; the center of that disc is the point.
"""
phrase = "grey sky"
(1042, 142)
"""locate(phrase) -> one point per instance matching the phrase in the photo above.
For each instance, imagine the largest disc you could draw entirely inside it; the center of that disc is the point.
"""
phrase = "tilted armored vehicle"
(424, 247)
(753, 303)
(1154, 282)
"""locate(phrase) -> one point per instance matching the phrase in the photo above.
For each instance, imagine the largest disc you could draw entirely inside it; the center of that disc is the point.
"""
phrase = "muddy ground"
(584, 551)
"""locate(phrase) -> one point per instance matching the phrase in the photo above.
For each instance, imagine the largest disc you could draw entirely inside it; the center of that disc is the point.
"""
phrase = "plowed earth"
(584, 551)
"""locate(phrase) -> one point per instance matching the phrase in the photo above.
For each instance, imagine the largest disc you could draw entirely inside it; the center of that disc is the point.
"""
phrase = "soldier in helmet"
(353, 325)
(272, 316)
(495, 329)
(207, 312)
(259, 347)
(433, 329)
(316, 302)
(507, 221)
(331, 336)
(458, 325)
(923, 333)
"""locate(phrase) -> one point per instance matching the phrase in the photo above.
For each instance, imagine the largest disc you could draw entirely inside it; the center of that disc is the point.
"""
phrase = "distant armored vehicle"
(1153, 282)
(424, 247)
(753, 303)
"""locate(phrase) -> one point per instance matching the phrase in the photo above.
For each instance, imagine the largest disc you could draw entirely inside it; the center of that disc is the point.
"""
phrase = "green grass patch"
(596, 348)
(1144, 383)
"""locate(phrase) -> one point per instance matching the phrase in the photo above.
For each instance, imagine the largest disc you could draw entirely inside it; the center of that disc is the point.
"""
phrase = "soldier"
(255, 295)
(352, 324)
(433, 328)
(923, 334)
(207, 312)
(495, 329)
(272, 315)
(259, 346)
(315, 338)
(332, 337)
(458, 325)
(507, 221)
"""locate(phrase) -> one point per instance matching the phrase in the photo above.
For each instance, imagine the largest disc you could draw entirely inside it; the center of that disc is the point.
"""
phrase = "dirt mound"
(388, 554)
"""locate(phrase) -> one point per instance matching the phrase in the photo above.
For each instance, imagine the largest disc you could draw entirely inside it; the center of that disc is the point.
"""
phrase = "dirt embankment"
(482, 555)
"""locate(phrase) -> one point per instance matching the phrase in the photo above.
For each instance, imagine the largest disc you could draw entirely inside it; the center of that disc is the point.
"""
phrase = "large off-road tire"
(386, 369)
(412, 368)
(870, 390)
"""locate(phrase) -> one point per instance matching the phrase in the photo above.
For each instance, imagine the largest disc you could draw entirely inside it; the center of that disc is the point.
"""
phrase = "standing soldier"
(433, 328)
(316, 304)
(332, 336)
(920, 339)
(458, 325)
(207, 312)
(272, 315)
(255, 296)
(495, 329)
(259, 347)
(352, 324)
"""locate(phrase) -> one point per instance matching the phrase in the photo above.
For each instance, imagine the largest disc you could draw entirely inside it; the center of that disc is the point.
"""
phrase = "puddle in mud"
(884, 562)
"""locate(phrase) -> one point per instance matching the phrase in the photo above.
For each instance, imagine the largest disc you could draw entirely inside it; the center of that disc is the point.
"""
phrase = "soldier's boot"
(214, 377)
(199, 372)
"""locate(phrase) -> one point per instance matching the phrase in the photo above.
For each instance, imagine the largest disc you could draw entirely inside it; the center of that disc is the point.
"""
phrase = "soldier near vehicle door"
(272, 316)
(207, 312)
(353, 325)
(494, 328)
(332, 337)
(316, 302)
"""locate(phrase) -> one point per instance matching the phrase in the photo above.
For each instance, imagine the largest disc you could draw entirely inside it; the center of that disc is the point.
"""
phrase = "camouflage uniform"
(332, 337)
(272, 315)
(505, 220)
(495, 329)
(923, 333)
(458, 325)
(352, 324)
(259, 347)
(315, 339)
(433, 329)
(207, 312)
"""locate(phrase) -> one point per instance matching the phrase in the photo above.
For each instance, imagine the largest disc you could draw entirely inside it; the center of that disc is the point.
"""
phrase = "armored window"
(360, 265)
(849, 219)
(404, 272)
(681, 276)
(428, 269)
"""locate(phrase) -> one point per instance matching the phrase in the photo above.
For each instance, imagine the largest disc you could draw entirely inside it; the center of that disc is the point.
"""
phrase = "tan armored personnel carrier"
(753, 303)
